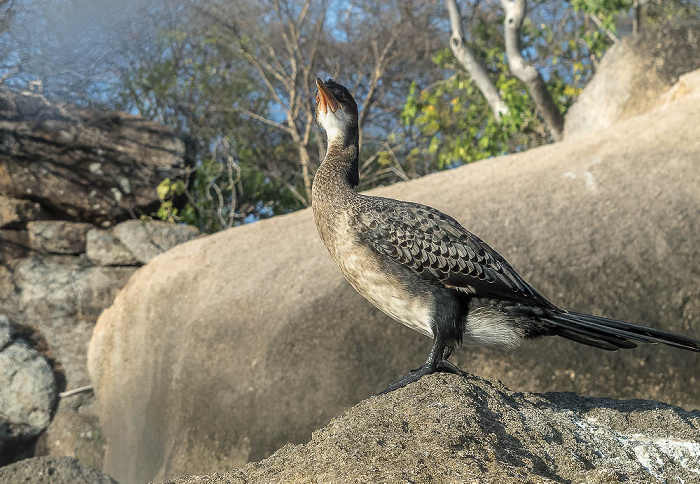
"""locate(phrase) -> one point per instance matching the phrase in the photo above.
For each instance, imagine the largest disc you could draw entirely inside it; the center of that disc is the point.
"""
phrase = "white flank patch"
(488, 327)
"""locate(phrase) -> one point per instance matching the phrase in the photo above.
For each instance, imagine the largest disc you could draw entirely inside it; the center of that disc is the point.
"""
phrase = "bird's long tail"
(610, 334)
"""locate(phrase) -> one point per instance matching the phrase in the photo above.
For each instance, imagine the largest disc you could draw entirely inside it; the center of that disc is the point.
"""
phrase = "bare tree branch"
(466, 57)
(515, 14)
(377, 73)
(600, 25)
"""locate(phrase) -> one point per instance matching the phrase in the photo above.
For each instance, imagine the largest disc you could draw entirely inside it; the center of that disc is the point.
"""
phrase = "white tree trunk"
(515, 14)
(465, 57)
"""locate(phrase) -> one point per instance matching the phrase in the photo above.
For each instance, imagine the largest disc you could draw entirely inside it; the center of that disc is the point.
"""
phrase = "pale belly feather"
(411, 307)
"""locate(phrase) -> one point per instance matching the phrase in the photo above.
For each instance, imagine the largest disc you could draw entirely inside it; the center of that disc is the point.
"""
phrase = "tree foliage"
(235, 78)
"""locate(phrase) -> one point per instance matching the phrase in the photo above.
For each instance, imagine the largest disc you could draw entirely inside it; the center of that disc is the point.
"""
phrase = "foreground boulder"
(447, 428)
(223, 349)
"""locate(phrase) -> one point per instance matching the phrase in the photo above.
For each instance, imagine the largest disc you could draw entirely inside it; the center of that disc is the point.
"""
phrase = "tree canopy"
(438, 83)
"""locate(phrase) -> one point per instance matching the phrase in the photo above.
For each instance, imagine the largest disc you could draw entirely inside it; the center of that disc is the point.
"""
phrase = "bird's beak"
(325, 98)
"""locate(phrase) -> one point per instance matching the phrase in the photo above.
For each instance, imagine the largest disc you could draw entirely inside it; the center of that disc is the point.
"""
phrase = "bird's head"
(336, 110)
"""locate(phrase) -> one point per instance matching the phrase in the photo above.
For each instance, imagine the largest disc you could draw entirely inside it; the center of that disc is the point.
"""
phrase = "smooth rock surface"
(103, 248)
(633, 74)
(449, 429)
(52, 470)
(58, 236)
(146, 239)
(232, 345)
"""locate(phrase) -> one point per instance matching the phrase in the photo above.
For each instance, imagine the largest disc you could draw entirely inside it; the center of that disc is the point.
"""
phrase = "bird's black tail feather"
(610, 334)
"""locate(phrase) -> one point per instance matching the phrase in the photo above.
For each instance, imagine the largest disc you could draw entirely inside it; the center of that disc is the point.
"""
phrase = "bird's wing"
(438, 249)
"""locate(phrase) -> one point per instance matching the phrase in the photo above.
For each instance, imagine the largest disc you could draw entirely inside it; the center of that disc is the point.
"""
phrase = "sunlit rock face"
(634, 74)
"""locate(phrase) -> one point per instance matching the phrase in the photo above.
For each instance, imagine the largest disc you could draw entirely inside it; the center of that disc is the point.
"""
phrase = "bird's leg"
(445, 366)
(436, 362)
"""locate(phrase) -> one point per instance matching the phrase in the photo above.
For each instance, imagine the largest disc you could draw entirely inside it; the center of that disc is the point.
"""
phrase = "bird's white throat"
(335, 124)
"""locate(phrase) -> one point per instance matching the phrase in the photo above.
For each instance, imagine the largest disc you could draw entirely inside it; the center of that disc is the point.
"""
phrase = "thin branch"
(600, 25)
(75, 391)
(258, 117)
(465, 56)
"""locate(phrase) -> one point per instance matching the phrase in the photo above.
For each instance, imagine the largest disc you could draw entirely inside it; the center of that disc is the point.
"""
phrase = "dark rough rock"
(80, 164)
(6, 332)
(146, 239)
(52, 470)
(58, 236)
(61, 296)
(450, 429)
(633, 74)
(104, 249)
(14, 244)
(27, 389)
(235, 344)
(15, 212)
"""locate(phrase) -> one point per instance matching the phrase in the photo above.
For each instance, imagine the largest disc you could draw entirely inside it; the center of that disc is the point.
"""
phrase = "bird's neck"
(339, 172)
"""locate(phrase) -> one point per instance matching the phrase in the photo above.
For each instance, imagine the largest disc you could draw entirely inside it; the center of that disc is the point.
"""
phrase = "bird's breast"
(391, 288)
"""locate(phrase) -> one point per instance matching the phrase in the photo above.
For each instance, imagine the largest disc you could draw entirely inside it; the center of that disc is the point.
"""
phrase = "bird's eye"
(317, 98)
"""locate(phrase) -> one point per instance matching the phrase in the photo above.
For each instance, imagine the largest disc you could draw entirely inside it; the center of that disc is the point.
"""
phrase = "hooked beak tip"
(326, 99)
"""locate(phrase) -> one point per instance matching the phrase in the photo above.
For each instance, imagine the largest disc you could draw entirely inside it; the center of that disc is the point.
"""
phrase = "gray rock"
(104, 249)
(14, 212)
(52, 470)
(14, 244)
(633, 74)
(146, 239)
(58, 236)
(5, 331)
(62, 296)
(450, 429)
(258, 329)
(27, 392)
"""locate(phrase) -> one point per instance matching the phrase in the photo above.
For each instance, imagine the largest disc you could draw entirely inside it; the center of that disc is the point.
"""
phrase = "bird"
(422, 268)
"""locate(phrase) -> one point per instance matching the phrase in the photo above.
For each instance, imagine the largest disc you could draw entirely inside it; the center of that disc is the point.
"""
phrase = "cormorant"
(422, 268)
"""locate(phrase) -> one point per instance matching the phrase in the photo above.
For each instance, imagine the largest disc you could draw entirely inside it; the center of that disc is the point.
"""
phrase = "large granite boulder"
(82, 164)
(633, 74)
(225, 348)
